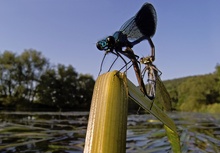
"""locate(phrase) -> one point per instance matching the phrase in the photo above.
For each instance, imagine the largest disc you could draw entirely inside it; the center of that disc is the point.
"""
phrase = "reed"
(106, 132)
(107, 126)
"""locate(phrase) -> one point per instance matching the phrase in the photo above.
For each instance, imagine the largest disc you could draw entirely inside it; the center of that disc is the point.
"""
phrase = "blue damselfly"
(140, 27)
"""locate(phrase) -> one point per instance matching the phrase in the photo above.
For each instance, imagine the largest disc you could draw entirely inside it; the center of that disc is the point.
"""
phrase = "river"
(64, 132)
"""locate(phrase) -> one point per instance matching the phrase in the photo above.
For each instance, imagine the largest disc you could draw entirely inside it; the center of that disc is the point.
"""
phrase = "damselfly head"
(101, 45)
(106, 44)
(146, 60)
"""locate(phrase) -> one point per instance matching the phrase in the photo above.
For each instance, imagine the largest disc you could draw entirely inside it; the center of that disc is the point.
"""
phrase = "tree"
(197, 91)
(32, 64)
(217, 86)
(86, 84)
(8, 67)
(62, 87)
(20, 75)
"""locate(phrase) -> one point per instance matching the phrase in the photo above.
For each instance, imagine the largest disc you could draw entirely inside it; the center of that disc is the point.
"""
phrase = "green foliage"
(195, 93)
(58, 87)
(64, 88)
(85, 89)
(213, 108)
(28, 80)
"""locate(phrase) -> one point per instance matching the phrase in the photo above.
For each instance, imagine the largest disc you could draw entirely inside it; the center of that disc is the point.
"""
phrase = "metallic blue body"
(140, 27)
(118, 40)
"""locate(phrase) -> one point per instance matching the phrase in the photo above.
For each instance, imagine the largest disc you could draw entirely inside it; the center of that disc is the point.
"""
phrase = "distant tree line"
(196, 93)
(28, 81)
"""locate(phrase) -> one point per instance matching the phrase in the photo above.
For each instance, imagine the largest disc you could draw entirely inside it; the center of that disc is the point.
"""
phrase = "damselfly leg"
(100, 70)
(127, 67)
(117, 54)
(112, 64)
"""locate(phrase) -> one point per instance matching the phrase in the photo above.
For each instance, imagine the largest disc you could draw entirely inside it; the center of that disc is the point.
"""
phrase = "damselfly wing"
(163, 95)
(143, 24)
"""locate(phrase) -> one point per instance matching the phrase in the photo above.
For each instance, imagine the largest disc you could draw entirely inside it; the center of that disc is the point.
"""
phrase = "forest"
(200, 93)
(29, 82)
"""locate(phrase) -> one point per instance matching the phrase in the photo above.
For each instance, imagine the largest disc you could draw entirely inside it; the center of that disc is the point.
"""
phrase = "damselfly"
(140, 27)
(154, 82)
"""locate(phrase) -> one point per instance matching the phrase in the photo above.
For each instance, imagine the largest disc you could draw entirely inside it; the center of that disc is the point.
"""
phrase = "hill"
(195, 93)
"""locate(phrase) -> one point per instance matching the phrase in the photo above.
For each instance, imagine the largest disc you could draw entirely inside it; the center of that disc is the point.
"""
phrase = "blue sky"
(66, 31)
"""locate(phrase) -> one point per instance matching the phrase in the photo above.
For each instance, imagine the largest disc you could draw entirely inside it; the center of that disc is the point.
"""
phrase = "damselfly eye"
(110, 40)
(98, 46)
(101, 44)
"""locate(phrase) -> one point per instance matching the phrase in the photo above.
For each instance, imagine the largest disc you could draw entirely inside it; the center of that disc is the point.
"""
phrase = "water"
(43, 132)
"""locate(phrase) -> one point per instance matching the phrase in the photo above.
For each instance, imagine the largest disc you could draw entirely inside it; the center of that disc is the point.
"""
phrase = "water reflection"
(65, 132)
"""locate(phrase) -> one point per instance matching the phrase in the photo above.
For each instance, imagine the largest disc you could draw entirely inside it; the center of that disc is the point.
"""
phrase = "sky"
(66, 31)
